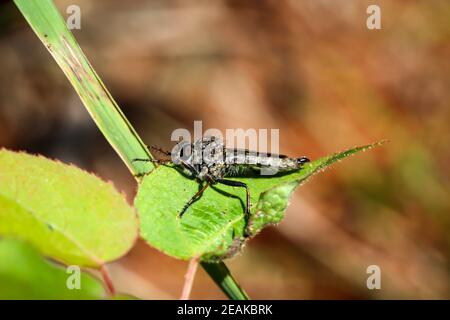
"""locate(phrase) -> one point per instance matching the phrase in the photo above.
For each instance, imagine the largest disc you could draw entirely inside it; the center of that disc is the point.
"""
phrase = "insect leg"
(159, 150)
(239, 184)
(194, 198)
(157, 161)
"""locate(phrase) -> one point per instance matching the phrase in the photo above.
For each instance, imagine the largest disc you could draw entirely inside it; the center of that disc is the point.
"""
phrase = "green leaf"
(24, 274)
(66, 213)
(213, 227)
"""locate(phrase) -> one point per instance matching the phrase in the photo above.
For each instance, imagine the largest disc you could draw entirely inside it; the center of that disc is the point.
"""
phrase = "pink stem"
(107, 281)
(189, 279)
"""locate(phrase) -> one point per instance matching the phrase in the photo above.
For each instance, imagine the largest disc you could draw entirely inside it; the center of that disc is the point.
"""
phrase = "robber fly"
(209, 162)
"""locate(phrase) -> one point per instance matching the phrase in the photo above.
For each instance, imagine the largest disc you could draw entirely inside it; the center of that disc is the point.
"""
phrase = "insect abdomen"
(240, 170)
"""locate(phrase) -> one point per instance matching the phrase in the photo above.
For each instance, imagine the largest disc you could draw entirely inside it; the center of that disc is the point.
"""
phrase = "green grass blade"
(50, 27)
(222, 276)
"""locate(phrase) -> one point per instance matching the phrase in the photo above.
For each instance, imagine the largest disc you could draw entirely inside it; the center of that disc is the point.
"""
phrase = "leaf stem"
(107, 281)
(189, 279)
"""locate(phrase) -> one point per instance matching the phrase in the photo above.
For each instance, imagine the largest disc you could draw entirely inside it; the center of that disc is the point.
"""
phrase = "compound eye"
(302, 160)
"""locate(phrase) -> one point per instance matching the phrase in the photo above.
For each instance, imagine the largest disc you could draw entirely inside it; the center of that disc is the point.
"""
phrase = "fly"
(209, 162)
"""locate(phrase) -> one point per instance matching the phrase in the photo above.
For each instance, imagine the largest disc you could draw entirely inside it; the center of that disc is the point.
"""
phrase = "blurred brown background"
(310, 68)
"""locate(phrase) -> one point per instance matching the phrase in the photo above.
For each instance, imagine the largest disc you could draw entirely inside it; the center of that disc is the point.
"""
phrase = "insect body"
(208, 161)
